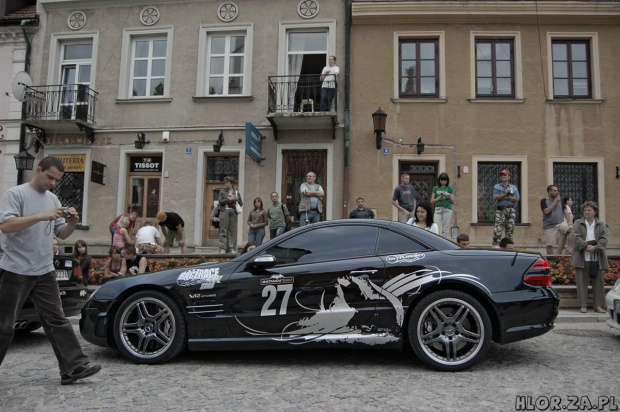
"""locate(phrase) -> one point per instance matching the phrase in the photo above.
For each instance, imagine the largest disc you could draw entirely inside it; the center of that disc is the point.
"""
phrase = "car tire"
(31, 327)
(149, 327)
(449, 330)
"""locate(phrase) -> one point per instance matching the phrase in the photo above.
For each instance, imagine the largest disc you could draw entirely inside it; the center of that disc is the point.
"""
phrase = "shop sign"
(97, 172)
(72, 162)
(140, 164)
(253, 142)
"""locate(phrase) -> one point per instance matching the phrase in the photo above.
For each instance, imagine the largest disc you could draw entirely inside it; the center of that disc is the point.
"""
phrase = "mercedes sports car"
(343, 283)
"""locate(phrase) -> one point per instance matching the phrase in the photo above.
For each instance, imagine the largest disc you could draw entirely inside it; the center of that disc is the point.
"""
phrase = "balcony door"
(75, 76)
(306, 56)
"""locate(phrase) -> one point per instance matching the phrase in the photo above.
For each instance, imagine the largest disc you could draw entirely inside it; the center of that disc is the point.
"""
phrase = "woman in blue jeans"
(257, 220)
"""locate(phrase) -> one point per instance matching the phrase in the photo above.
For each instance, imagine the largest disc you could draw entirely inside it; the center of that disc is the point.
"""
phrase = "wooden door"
(218, 166)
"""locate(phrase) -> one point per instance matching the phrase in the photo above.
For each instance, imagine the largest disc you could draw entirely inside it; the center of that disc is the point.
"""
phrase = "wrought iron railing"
(298, 93)
(61, 102)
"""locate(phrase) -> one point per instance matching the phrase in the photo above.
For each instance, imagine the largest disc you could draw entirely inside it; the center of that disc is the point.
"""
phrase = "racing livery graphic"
(335, 318)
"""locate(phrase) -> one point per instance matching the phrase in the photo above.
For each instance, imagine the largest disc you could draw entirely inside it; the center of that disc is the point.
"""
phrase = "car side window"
(326, 243)
(392, 242)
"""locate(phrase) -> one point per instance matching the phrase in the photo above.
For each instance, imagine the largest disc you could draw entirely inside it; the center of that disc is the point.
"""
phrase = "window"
(419, 68)
(225, 61)
(571, 69)
(494, 68)
(577, 180)
(75, 72)
(391, 242)
(145, 64)
(342, 242)
(148, 67)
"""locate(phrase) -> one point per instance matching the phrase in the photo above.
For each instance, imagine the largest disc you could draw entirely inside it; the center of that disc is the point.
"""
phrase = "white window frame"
(441, 44)
(207, 30)
(594, 63)
(125, 77)
(57, 41)
(286, 27)
(600, 176)
(515, 36)
(523, 190)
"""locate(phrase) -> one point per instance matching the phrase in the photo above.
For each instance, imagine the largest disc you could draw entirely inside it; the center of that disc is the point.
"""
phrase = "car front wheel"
(449, 330)
(149, 328)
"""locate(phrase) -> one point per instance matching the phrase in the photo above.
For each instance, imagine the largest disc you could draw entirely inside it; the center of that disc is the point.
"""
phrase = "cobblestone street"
(318, 380)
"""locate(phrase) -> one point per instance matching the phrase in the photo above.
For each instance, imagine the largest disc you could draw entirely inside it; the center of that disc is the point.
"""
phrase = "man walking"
(361, 212)
(311, 202)
(554, 213)
(277, 216)
(506, 197)
(30, 215)
(403, 199)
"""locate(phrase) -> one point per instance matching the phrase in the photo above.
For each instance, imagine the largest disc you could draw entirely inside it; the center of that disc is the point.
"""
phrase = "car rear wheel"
(449, 330)
(149, 328)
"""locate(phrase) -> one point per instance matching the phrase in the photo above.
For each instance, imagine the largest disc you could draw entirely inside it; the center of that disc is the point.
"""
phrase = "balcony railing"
(73, 102)
(297, 93)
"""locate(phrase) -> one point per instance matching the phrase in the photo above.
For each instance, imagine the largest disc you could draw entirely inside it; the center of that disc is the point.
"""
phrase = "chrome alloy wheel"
(451, 331)
(147, 328)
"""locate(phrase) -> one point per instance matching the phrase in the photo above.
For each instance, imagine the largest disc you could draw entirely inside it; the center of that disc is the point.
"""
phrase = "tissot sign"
(145, 164)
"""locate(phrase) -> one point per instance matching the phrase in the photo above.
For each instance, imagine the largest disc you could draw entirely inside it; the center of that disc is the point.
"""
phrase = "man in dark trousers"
(403, 199)
(30, 216)
(172, 227)
(361, 212)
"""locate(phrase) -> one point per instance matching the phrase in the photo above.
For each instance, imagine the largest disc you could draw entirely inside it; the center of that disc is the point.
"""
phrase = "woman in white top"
(424, 218)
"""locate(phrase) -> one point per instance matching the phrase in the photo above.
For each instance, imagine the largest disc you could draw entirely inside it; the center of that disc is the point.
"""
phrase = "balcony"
(294, 104)
(66, 108)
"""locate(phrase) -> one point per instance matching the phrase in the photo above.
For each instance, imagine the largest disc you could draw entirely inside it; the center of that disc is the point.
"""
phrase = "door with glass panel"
(75, 77)
(306, 57)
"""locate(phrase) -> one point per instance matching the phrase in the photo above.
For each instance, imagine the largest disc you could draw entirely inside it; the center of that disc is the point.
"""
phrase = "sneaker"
(569, 251)
(222, 251)
(80, 372)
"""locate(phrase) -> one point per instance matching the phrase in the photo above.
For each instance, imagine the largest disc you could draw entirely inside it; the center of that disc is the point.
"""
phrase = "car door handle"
(363, 272)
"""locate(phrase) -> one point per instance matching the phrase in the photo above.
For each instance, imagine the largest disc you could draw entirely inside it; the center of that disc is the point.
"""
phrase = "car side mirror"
(261, 262)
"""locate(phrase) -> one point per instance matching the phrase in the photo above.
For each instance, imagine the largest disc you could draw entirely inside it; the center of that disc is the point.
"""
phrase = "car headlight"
(616, 287)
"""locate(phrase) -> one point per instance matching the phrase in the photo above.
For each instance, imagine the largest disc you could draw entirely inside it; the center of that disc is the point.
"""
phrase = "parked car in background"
(72, 292)
(342, 283)
(612, 300)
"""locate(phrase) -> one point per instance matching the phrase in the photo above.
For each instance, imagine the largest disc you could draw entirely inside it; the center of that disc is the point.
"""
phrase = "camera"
(65, 213)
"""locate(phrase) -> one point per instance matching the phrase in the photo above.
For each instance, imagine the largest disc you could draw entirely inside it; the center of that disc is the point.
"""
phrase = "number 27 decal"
(271, 292)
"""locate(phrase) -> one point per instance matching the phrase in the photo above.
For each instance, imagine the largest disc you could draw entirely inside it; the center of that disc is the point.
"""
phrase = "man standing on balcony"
(329, 75)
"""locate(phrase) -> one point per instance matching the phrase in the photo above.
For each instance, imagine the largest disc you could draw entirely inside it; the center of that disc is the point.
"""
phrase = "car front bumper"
(94, 324)
(612, 301)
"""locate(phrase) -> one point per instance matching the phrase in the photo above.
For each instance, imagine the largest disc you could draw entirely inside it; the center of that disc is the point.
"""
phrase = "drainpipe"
(22, 128)
(347, 108)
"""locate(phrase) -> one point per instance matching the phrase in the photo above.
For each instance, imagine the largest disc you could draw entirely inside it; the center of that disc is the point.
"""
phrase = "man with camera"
(506, 197)
(30, 216)
(554, 213)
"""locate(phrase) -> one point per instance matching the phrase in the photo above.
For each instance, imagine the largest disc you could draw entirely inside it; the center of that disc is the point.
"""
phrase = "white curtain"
(294, 69)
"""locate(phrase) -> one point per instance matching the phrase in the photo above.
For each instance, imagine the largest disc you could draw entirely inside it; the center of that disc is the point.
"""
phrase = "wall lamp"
(219, 142)
(378, 123)
(141, 142)
(420, 146)
(617, 172)
(24, 160)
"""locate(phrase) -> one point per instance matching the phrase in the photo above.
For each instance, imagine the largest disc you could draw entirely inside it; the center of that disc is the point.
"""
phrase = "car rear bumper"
(73, 299)
(614, 315)
(527, 314)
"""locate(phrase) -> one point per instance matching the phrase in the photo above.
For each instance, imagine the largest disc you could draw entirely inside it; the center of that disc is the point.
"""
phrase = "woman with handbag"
(590, 256)
(257, 220)
(230, 206)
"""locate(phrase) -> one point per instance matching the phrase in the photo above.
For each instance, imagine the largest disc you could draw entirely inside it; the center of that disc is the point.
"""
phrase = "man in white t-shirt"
(329, 75)
(148, 240)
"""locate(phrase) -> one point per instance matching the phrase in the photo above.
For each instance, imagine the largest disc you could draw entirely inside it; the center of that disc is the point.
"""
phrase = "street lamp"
(219, 142)
(24, 160)
(141, 142)
(378, 122)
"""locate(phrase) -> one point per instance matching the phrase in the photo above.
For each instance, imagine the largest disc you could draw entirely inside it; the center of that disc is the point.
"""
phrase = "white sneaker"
(222, 251)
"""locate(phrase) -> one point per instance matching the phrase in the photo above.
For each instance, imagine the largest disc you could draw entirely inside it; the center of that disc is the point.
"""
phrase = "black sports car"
(73, 295)
(351, 283)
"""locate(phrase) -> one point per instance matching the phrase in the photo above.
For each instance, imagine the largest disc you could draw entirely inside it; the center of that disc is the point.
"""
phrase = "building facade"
(527, 86)
(151, 103)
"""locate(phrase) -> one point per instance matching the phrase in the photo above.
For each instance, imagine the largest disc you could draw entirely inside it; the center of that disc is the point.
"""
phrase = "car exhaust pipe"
(21, 325)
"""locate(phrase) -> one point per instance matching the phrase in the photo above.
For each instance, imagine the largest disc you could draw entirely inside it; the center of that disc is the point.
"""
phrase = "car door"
(320, 285)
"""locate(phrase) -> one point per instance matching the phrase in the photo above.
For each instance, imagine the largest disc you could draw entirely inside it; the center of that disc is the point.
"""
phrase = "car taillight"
(539, 274)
